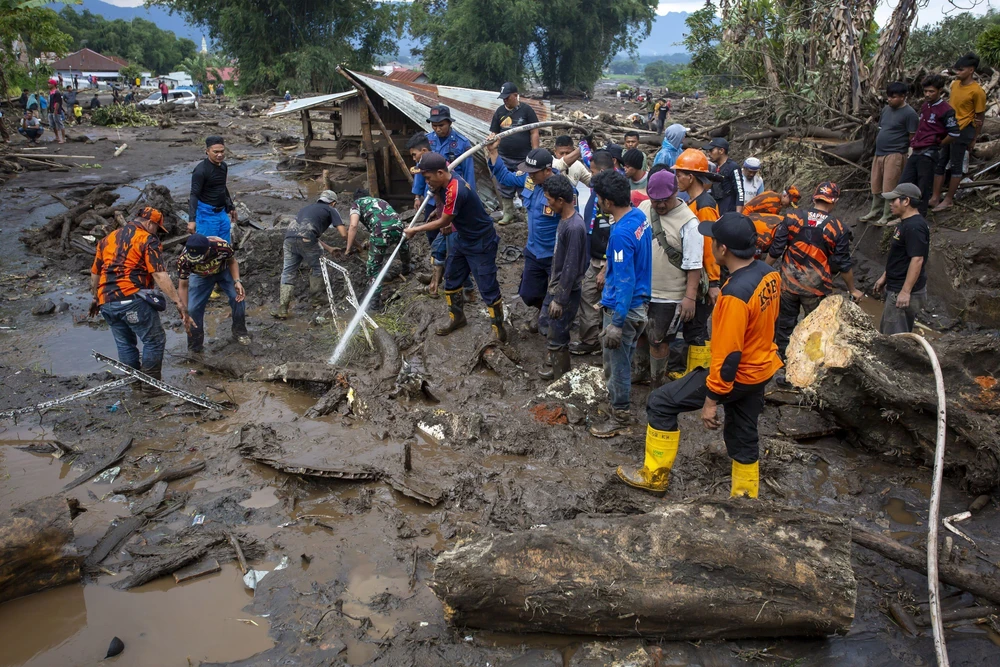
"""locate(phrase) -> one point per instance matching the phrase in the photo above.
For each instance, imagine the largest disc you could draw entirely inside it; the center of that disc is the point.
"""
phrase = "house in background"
(407, 75)
(85, 63)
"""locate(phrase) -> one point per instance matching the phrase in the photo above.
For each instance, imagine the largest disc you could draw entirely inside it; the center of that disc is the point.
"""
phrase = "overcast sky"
(934, 12)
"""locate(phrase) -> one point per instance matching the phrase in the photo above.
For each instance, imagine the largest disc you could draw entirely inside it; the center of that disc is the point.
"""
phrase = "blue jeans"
(296, 251)
(199, 290)
(618, 363)
(212, 223)
(134, 319)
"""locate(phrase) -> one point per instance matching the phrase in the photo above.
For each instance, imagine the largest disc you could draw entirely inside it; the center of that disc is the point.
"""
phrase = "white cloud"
(125, 3)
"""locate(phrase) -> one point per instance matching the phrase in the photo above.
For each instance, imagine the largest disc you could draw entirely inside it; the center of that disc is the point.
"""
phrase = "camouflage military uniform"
(384, 231)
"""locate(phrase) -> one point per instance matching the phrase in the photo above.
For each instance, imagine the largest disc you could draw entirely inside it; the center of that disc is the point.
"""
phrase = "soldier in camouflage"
(384, 231)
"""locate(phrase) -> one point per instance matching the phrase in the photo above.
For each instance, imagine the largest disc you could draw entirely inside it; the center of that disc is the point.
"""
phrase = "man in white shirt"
(567, 161)
(678, 250)
(753, 184)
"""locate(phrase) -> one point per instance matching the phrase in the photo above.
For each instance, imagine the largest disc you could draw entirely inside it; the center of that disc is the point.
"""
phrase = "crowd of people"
(686, 273)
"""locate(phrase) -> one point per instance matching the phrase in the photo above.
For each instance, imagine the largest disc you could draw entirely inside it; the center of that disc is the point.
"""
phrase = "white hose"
(363, 307)
(932, 531)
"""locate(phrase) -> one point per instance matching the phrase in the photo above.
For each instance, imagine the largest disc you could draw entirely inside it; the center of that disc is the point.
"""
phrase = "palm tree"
(202, 66)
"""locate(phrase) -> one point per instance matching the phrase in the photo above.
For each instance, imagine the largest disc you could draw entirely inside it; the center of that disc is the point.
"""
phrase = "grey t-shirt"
(894, 129)
(312, 221)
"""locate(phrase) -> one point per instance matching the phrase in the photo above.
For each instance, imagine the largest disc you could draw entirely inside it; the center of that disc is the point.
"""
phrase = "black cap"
(432, 162)
(439, 113)
(537, 159)
(213, 140)
(506, 90)
(718, 142)
(616, 151)
(733, 230)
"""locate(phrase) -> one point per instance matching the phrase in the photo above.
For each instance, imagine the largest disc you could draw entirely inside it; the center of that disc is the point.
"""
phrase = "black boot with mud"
(559, 363)
(580, 348)
(496, 320)
(619, 422)
(456, 312)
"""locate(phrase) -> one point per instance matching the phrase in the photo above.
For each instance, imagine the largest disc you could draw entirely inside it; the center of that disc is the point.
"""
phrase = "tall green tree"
(704, 32)
(139, 41)
(27, 28)
(295, 44)
(939, 44)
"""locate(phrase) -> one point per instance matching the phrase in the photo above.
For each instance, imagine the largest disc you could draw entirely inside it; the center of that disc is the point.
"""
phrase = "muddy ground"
(359, 553)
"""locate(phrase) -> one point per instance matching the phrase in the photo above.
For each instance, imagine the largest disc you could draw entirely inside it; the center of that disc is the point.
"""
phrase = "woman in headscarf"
(671, 147)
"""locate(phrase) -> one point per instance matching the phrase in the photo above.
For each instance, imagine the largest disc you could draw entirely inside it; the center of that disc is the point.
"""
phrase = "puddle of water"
(896, 509)
(161, 623)
(25, 476)
(261, 498)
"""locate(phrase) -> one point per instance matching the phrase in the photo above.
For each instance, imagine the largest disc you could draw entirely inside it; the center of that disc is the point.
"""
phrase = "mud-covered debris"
(452, 428)
(584, 385)
(115, 648)
(38, 548)
(803, 423)
(550, 414)
(44, 307)
(303, 371)
(334, 400)
(412, 383)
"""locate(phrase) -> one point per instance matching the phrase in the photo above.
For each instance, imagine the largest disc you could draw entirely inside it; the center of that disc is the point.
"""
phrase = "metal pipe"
(363, 308)
(935, 509)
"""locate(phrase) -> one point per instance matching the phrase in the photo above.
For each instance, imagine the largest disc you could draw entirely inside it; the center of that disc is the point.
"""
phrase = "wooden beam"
(381, 125)
(366, 139)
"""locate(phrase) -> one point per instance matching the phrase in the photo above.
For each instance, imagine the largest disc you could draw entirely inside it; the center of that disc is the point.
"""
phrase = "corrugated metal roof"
(472, 110)
(309, 102)
(405, 75)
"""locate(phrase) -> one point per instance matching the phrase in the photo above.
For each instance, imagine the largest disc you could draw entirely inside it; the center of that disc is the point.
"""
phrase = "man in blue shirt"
(445, 141)
(627, 289)
(542, 224)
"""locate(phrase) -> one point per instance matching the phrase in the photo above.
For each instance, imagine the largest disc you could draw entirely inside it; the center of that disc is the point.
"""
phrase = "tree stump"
(36, 548)
(695, 570)
(881, 389)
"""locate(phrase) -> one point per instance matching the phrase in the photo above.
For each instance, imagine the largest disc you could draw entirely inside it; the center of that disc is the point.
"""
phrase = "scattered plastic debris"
(108, 476)
(199, 519)
(114, 406)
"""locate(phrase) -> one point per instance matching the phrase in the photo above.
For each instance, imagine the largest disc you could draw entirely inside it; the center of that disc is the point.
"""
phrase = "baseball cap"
(793, 193)
(718, 142)
(432, 162)
(616, 151)
(827, 191)
(439, 113)
(733, 230)
(328, 197)
(197, 243)
(537, 159)
(662, 185)
(903, 190)
(751, 163)
(506, 90)
(153, 215)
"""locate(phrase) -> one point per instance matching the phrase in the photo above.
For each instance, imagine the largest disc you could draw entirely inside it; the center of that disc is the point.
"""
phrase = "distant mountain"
(158, 15)
(666, 35)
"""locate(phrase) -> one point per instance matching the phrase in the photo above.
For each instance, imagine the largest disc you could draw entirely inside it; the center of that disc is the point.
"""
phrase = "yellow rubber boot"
(654, 475)
(699, 356)
(746, 479)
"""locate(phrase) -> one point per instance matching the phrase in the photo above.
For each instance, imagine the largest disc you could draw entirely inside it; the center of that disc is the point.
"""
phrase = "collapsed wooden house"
(365, 129)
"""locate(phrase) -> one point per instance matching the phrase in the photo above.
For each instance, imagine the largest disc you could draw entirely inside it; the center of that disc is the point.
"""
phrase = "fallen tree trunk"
(881, 390)
(954, 575)
(698, 570)
(36, 548)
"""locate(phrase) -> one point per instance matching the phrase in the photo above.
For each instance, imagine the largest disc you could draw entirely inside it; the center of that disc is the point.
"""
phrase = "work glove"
(555, 310)
(612, 337)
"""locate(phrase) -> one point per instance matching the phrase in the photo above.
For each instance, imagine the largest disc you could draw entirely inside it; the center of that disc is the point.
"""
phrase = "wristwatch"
(238, 281)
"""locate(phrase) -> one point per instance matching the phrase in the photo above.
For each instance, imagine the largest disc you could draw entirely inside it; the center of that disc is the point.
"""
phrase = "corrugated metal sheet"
(472, 110)
(295, 106)
(406, 75)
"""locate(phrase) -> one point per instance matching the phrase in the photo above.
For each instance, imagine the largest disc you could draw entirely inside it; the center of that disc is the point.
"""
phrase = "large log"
(695, 570)
(36, 548)
(880, 389)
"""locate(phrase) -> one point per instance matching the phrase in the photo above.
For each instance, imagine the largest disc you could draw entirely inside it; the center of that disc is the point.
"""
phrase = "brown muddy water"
(359, 554)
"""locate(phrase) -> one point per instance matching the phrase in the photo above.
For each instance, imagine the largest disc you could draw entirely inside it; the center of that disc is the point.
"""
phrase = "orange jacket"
(707, 210)
(767, 201)
(125, 262)
(765, 223)
(743, 349)
(812, 245)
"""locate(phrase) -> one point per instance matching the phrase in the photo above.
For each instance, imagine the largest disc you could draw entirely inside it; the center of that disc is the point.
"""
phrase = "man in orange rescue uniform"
(744, 358)
(695, 178)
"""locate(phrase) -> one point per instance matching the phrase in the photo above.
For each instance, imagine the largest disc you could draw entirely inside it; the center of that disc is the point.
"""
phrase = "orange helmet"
(692, 159)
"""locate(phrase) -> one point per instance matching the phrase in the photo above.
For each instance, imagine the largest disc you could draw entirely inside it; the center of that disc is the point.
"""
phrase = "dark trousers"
(478, 259)
(742, 408)
(694, 332)
(559, 328)
(534, 288)
(788, 316)
(919, 170)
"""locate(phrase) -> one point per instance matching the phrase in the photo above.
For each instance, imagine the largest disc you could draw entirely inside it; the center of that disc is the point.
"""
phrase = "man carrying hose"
(460, 212)
(385, 229)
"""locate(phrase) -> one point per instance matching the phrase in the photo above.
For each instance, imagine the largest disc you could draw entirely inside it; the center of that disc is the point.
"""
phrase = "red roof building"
(404, 75)
(86, 60)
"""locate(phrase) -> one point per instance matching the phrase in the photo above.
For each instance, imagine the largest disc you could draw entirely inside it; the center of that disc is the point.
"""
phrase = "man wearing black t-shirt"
(905, 277)
(515, 148)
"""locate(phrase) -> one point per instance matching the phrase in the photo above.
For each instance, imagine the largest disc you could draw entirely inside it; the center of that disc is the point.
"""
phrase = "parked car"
(179, 97)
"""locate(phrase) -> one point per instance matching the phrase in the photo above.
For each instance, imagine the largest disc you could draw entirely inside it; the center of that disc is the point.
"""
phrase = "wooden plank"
(209, 566)
(366, 139)
(168, 475)
(95, 469)
(381, 125)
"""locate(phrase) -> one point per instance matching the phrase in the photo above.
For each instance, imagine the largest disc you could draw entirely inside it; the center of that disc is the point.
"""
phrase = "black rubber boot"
(560, 361)
(496, 320)
(456, 312)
